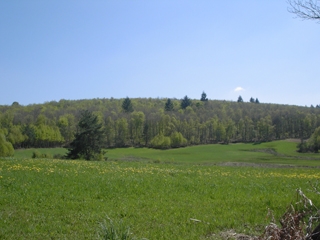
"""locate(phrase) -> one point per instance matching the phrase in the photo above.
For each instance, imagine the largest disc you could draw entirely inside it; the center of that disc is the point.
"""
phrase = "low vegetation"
(6, 148)
(187, 193)
(280, 153)
(312, 145)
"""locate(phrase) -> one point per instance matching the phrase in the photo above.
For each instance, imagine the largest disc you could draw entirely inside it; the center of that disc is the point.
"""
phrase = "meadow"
(187, 193)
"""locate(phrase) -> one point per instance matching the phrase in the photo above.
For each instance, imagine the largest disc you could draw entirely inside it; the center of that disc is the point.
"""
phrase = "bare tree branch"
(305, 9)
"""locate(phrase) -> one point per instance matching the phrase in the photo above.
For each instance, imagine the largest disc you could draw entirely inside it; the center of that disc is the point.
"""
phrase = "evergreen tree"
(252, 100)
(240, 99)
(88, 140)
(169, 105)
(127, 105)
(185, 102)
(257, 101)
(203, 97)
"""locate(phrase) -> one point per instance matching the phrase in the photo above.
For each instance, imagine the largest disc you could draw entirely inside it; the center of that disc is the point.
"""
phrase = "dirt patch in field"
(296, 140)
(266, 165)
(133, 159)
(267, 150)
(275, 153)
(263, 165)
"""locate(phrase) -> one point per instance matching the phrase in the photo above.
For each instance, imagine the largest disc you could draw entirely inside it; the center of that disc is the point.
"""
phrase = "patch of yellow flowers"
(80, 167)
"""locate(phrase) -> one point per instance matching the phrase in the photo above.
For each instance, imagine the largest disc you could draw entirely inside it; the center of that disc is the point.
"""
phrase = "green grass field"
(277, 152)
(156, 193)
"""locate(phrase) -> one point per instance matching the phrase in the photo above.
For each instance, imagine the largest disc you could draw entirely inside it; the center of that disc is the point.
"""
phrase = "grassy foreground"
(43, 199)
(159, 198)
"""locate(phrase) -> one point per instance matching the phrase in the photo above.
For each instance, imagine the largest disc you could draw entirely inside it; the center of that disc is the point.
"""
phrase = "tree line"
(157, 123)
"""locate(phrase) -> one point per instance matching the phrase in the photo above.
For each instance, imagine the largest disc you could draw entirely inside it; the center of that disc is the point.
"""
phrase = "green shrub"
(37, 154)
(46, 155)
(114, 230)
(314, 141)
(312, 145)
(100, 156)
(58, 156)
(303, 147)
(177, 140)
(160, 142)
(163, 142)
(6, 148)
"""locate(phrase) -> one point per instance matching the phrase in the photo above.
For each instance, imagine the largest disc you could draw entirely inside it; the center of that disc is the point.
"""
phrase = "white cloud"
(238, 89)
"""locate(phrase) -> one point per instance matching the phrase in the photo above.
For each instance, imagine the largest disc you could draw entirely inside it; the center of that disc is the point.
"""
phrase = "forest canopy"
(157, 122)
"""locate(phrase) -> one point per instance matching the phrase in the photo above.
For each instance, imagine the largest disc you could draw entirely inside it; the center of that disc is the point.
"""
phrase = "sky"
(75, 49)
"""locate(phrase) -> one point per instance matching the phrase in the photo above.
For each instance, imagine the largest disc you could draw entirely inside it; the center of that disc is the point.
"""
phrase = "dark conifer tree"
(240, 99)
(127, 105)
(15, 104)
(257, 101)
(185, 102)
(203, 97)
(89, 138)
(169, 105)
(252, 100)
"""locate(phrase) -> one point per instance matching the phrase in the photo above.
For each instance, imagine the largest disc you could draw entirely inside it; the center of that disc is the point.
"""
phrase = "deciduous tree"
(305, 9)
(109, 131)
(177, 140)
(314, 141)
(137, 123)
(161, 142)
(121, 134)
(6, 148)
(15, 136)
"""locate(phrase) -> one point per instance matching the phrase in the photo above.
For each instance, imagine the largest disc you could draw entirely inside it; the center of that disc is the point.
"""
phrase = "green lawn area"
(27, 153)
(59, 199)
(277, 152)
(157, 193)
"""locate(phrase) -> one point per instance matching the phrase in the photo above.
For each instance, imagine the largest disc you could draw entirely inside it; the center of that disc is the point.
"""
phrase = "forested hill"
(160, 123)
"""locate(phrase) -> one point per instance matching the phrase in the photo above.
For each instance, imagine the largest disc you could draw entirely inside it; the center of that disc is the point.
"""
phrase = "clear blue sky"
(52, 50)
